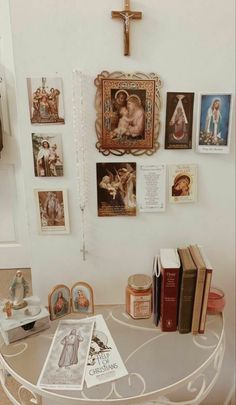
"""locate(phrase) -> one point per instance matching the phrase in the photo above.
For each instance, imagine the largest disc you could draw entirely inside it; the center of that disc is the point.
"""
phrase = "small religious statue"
(7, 309)
(19, 290)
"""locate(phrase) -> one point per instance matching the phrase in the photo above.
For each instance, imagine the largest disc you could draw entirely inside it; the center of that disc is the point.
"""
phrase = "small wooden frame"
(82, 298)
(128, 108)
(59, 301)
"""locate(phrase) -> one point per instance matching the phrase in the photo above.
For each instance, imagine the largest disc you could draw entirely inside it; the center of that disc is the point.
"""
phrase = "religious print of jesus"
(66, 361)
(128, 120)
(179, 119)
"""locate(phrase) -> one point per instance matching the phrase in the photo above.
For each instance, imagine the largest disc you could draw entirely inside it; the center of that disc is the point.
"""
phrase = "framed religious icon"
(214, 123)
(52, 211)
(59, 301)
(179, 120)
(128, 107)
(45, 100)
(82, 298)
(47, 155)
(182, 183)
(116, 189)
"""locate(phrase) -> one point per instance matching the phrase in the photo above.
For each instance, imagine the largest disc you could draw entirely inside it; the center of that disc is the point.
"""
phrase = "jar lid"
(140, 282)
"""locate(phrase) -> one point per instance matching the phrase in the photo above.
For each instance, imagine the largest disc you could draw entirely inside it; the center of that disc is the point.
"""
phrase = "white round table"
(164, 368)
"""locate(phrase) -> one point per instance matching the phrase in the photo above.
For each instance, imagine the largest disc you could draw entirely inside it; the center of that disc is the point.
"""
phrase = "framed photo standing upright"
(179, 120)
(214, 123)
(128, 108)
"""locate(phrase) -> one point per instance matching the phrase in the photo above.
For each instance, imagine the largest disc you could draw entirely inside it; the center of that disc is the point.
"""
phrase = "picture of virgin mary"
(69, 354)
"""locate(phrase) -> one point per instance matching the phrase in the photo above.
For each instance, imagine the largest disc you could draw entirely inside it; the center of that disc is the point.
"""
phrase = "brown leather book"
(200, 283)
(187, 291)
(206, 290)
(170, 269)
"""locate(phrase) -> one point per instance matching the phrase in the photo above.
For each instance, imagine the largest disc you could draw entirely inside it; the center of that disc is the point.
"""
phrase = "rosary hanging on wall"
(79, 130)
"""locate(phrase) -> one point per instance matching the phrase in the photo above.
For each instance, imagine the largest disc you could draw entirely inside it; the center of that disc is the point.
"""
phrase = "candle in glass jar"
(139, 296)
(216, 301)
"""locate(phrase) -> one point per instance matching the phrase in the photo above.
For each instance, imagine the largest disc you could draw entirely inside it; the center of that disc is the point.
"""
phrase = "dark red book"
(170, 275)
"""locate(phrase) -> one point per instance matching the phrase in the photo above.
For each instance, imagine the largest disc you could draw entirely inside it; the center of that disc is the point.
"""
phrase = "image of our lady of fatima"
(116, 189)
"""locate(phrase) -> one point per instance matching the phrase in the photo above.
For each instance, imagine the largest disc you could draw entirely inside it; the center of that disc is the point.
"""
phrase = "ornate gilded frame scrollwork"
(146, 89)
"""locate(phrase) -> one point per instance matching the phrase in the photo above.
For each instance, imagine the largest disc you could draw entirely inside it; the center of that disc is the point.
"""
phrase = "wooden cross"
(127, 15)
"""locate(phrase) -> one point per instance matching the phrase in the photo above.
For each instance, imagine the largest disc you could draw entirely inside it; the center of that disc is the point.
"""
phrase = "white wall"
(190, 44)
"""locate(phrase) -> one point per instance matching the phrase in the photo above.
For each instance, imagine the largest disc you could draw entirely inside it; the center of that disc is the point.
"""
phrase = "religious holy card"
(182, 183)
(104, 361)
(116, 189)
(214, 123)
(47, 155)
(179, 120)
(65, 365)
(128, 107)
(45, 100)
(152, 189)
(52, 211)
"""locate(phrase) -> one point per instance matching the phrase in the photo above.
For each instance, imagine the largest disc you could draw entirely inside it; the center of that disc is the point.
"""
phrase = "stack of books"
(181, 285)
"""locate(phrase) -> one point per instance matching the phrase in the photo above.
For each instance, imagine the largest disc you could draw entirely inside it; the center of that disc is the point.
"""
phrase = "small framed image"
(45, 100)
(116, 189)
(182, 183)
(214, 123)
(179, 120)
(59, 301)
(52, 211)
(128, 107)
(47, 155)
(82, 298)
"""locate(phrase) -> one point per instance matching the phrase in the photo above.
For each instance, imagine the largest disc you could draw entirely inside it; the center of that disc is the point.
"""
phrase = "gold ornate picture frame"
(128, 107)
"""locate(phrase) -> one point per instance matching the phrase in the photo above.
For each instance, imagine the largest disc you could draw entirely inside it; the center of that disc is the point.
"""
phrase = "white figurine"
(19, 290)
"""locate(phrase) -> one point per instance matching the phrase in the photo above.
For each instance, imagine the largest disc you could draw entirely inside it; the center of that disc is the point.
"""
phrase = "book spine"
(205, 300)
(169, 299)
(186, 300)
(201, 272)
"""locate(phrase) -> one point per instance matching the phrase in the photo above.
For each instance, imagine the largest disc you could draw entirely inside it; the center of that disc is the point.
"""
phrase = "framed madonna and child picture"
(128, 108)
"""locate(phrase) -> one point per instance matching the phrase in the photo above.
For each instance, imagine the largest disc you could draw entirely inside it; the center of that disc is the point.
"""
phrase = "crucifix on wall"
(127, 15)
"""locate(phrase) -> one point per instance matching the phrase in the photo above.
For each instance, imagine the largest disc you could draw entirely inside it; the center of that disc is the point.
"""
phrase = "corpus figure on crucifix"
(127, 15)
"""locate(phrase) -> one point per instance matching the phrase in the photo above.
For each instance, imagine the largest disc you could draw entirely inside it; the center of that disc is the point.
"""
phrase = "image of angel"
(214, 119)
(47, 155)
(45, 100)
(116, 189)
(69, 354)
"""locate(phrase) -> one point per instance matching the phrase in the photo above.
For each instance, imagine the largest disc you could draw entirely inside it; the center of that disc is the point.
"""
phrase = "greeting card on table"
(104, 361)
